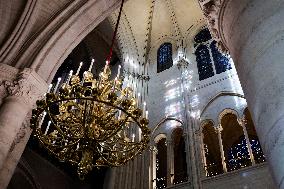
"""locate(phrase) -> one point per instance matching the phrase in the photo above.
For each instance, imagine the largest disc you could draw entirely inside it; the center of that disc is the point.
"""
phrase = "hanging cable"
(114, 34)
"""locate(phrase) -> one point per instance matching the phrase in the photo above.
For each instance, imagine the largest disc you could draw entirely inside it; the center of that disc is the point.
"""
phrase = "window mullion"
(211, 56)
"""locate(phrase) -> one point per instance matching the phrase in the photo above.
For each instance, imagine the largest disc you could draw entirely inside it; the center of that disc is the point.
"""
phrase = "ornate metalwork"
(91, 123)
(137, 75)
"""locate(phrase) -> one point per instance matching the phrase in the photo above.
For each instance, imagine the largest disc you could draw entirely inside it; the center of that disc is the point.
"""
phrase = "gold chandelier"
(92, 123)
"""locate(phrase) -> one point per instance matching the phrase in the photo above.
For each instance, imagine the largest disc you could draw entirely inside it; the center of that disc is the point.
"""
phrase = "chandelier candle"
(118, 71)
(91, 66)
(80, 66)
(146, 114)
(138, 99)
(106, 66)
(49, 88)
(47, 128)
(69, 77)
(139, 134)
(144, 108)
(57, 84)
(42, 119)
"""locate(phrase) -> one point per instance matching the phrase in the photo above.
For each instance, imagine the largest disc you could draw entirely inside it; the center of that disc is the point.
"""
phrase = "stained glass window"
(238, 155)
(203, 36)
(206, 53)
(161, 165)
(221, 61)
(257, 151)
(180, 171)
(164, 58)
(204, 64)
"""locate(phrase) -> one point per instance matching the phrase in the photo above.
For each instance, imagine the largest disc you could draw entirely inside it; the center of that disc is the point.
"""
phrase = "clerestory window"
(207, 53)
(164, 57)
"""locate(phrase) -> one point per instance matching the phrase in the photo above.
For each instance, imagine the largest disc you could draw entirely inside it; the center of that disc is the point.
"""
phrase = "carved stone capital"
(219, 128)
(211, 10)
(198, 132)
(242, 122)
(28, 86)
(153, 149)
(182, 64)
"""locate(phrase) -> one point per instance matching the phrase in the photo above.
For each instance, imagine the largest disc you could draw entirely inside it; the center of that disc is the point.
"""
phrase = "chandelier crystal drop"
(92, 123)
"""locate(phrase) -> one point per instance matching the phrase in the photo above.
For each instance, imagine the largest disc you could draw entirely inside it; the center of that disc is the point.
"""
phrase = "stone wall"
(248, 178)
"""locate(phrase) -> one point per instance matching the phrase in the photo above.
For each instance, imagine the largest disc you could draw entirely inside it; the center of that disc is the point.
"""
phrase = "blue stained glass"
(257, 151)
(204, 63)
(221, 62)
(164, 57)
(203, 36)
(238, 156)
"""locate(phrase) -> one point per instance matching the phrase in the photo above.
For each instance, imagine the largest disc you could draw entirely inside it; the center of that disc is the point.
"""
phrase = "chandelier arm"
(115, 131)
(57, 128)
(49, 149)
(104, 102)
(131, 149)
(55, 125)
(132, 157)
(57, 146)
(125, 160)
(74, 138)
(132, 143)
(84, 117)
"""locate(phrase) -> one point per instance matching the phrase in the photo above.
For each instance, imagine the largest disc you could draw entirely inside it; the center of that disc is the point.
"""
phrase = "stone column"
(242, 122)
(203, 163)
(170, 162)
(253, 32)
(189, 129)
(22, 94)
(153, 156)
(110, 178)
(219, 130)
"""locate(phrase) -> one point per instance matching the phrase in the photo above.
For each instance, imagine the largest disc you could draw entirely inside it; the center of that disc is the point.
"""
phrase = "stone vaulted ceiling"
(146, 24)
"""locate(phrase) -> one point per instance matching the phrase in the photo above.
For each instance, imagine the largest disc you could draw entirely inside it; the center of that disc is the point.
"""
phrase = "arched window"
(235, 145)
(254, 142)
(211, 153)
(180, 167)
(204, 64)
(164, 57)
(221, 61)
(238, 155)
(161, 164)
(206, 53)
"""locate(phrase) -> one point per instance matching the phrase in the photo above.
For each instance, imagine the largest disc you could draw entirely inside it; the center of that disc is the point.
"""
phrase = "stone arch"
(65, 37)
(222, 93)
(179, 158)
(204, 123)
(15, 26)
(161, 122)
(227, 111)
(210, 149)
(175, 129)
(159, 137)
